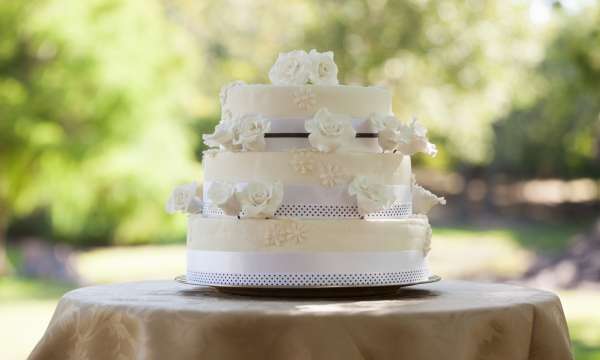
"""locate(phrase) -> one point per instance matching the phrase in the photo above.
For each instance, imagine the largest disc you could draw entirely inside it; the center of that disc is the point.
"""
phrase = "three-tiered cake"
(308, 184)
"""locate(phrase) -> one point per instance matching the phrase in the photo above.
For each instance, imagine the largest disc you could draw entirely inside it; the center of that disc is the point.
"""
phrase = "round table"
(446, 320)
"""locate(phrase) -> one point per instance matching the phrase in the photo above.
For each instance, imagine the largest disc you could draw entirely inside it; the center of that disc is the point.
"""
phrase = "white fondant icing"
(278, 102)
(321, 235)
(389, 169)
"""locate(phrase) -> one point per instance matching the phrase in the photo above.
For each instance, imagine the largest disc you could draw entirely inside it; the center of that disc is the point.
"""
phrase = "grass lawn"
(457, 253)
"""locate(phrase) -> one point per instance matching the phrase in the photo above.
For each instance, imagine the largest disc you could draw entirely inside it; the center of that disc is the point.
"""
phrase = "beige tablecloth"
(446, 320)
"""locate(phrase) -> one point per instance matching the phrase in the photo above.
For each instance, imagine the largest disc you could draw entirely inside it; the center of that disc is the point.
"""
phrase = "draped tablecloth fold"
(446, 320)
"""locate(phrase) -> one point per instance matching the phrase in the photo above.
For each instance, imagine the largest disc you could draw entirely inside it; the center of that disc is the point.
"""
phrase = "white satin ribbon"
(313, 201)
(296, 125)
(274, 262)
(319, 195)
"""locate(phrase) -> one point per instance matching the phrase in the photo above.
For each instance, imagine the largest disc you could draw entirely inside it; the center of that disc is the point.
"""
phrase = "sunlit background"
(102, 104)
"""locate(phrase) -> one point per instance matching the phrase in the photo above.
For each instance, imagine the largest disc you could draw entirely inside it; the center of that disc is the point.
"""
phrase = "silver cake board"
(310, 292)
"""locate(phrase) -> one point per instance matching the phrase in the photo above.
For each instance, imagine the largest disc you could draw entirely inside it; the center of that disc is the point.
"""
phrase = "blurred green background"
(102, 104)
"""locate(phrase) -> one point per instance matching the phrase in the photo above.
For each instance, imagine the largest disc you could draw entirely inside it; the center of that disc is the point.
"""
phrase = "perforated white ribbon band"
(305, 268)
(310, 201)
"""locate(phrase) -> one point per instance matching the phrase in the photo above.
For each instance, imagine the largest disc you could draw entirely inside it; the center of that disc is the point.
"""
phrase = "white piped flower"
(186, 199)
(222, 195)
(331, 174)
(292, 68)
(304, 98)
(303, 161)
(371, 197)
(324, 70)
(250, 132)
(424, 200)
(260, 200)
(329, 132)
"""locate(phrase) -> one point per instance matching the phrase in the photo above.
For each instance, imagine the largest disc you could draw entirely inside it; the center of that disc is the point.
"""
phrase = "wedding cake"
(308, 183)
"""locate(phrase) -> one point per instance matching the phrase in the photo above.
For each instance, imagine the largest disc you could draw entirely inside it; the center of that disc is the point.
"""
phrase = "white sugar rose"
(292, 68)
(324, 70)
(424, 200)
(250, 132)
(329, 132)
(222, 195)
(371, 197)
(224, 135)
(186, 199)
(413, 139)
(388, 128)
(394, 135)
(260, 200)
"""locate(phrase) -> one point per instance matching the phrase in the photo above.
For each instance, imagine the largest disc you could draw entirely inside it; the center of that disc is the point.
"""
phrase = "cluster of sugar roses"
(252, 200)
(300, 68)
(261, 199)
(328, 132)
(244, 133)
(396, 136)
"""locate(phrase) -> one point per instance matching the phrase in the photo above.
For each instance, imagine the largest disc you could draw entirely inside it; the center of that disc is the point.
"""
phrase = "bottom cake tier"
(307, 253)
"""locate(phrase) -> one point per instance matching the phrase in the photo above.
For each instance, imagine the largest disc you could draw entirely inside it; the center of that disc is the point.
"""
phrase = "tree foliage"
(96, 96)
(558, 132)
(90, 95)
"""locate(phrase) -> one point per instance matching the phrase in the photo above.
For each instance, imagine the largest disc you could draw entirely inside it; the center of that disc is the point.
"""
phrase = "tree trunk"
(5, 267)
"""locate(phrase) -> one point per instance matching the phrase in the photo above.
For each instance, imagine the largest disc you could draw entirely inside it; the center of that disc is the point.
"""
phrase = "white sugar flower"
(223, 94)
(292, 68)
(250, 132)
(186, 199)
(303, 161)
(260, 200)
(222, 195)
(246, 133)
(414, 139)
(324, 70)
(388, 128)
(295, 232)
(394, 135)
(329, 132)
(371, 197)
(424, 200)
(224, 135)
(304, 98)
(331, 175)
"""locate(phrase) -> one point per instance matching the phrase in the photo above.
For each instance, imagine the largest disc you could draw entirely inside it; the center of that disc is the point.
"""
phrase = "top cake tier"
(305, 108)
(287, 107)
(280, 102)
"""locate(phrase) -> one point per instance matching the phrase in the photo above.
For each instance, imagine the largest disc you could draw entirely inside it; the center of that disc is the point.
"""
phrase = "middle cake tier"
(315, 184)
